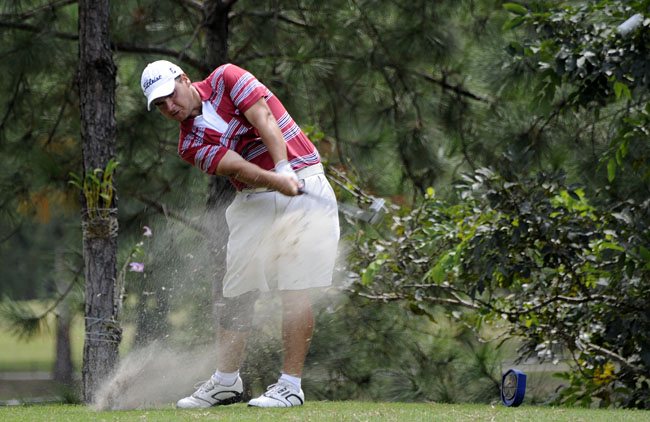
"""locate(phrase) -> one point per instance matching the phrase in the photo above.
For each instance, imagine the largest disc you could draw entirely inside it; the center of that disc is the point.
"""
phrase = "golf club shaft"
(350, 210)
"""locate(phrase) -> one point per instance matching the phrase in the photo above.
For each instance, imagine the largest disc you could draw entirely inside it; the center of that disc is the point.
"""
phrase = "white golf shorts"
(282, 242)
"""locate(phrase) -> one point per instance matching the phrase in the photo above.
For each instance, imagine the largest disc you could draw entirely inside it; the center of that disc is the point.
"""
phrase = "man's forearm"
(273, 141)
(233, 165)
(255, 176)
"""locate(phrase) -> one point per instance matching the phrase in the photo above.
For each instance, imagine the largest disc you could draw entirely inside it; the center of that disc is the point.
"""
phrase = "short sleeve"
(244, 88)
(193, 149)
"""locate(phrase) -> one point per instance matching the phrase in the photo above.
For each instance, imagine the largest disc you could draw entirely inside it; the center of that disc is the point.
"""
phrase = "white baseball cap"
(158, 80)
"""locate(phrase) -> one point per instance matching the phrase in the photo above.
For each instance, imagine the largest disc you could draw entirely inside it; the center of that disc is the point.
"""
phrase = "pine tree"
(99, 211)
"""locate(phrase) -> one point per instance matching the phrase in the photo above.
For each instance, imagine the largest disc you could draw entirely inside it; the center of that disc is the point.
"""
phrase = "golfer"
(232, 125)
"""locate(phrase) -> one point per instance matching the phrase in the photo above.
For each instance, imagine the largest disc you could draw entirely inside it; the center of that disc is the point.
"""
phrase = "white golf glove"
(284, 167)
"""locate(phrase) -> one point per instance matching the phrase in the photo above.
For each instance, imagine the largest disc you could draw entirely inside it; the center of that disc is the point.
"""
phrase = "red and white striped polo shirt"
(231, 90)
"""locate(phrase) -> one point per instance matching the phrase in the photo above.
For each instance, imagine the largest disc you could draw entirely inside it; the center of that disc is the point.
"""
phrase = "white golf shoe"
(279, 395)
(211, 393)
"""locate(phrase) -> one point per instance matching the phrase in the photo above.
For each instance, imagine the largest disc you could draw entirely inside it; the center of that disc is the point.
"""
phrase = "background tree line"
(401, 97)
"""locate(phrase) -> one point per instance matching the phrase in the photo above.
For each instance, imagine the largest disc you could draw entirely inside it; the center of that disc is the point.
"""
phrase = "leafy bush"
(533, 257)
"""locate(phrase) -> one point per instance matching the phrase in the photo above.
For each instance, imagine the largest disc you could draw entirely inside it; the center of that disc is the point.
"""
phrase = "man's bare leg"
(297, 329)
(230, 349)
(225, 386)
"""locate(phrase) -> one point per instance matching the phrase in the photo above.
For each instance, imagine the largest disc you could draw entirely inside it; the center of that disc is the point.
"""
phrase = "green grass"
(330, 412)
(37, 353)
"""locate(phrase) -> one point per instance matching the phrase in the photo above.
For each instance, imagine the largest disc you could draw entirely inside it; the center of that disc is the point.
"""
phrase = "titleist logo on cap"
(150, 82)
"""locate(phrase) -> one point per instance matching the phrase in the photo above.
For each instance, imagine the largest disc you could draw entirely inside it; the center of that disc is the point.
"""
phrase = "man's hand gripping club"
(282, 180)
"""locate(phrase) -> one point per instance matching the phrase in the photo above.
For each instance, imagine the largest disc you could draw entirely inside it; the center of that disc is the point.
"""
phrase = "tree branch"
(123, 47)
(200, 6)
(613, 356)
(456, 88)
(11, 234)
(33, 12)
(193, 4)
(64, 294)
(39, 30)
(183, 54)
(61, 111)
(12, 102)
(22, 320)
(153, 49)
(558, 298)
(431, 299)
(280, 16)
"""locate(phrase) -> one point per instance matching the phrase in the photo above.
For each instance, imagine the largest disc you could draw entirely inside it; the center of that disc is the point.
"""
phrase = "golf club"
(370, 216)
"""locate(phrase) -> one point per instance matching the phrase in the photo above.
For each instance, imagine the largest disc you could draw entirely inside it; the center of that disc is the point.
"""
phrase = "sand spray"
(159, 372)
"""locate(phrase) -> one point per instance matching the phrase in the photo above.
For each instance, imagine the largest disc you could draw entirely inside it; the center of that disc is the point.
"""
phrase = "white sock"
(226, 378)
(291, 380)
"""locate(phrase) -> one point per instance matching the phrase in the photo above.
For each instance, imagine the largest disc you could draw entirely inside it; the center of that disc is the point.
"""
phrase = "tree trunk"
(63, 368)
(97, 98)
(216, 37)
(221, 191)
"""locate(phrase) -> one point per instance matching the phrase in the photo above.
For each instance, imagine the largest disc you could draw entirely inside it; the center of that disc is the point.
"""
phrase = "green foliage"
(593, 382)
(629, 149)
(20, 319)
(584, 57)
(534, 257)
(97, 188)
(24, 323)
(580, 43)
(39, 128)
(378, 351)
(373, 75)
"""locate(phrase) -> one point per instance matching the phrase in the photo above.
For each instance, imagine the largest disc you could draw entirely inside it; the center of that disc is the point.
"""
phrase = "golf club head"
(377, 207)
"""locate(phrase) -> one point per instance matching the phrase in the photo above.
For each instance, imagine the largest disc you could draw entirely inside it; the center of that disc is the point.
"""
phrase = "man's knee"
(236, 313)
(296, 299)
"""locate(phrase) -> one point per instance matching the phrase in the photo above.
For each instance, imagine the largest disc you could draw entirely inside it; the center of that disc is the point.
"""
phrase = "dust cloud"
(153, 376)
(161, 372)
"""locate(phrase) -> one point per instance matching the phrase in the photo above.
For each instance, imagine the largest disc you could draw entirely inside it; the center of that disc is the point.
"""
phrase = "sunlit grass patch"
(37, 353)
(330, 412)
